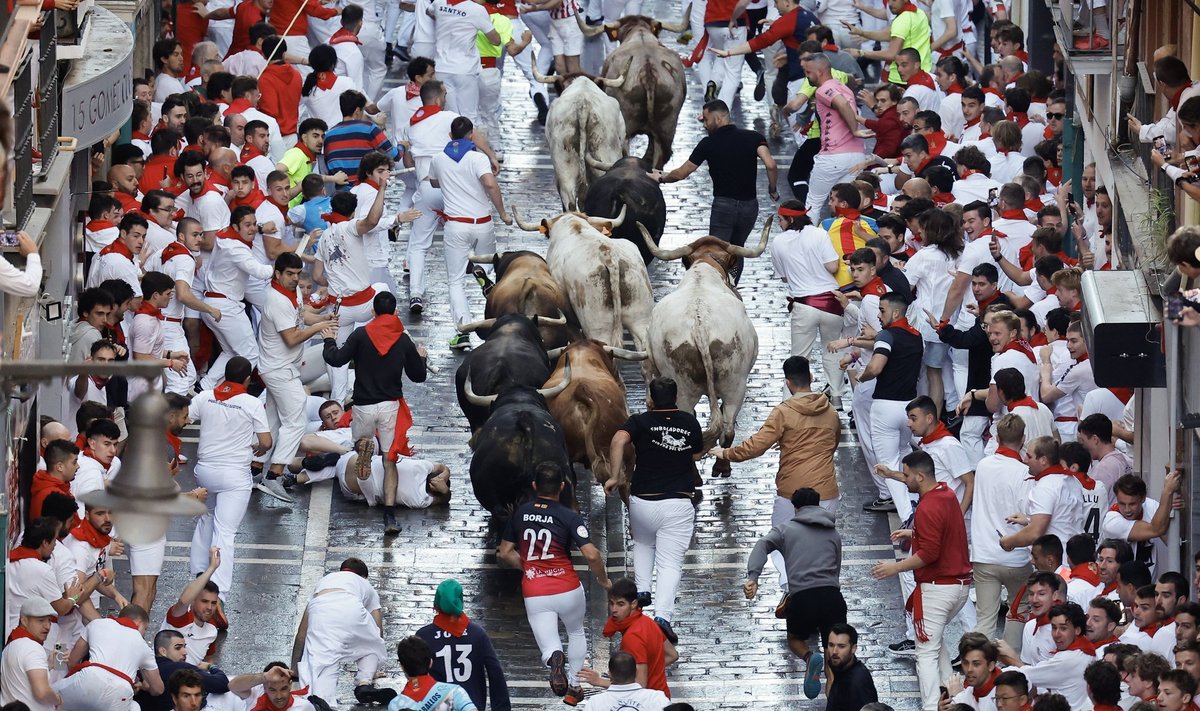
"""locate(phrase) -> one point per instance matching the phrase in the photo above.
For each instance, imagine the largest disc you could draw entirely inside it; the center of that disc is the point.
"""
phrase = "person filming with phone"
(15, 281)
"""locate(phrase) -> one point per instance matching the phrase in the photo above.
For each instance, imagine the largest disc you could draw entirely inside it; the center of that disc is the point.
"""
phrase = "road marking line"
(316, 540)
(291, 562)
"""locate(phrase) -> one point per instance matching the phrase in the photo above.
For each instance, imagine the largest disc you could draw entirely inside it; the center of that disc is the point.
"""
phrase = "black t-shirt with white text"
(664, 441)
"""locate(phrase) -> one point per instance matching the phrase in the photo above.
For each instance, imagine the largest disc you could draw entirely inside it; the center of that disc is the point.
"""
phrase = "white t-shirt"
(1081, 592)
(246, 63)
(201, 639)
(278, 315)
(950, 463)
(399, 110)
(115, 265)
(423, 24)
(1036, 643)
(1114, 525)
(98, 235)
(181, 267)
(1162, 642)
(799, 258)
(350, 62)
(1017, 359)
(454, 34)
(978, 252)
(427, 138)
(1001, 489)
(976, 186)
(147, 335)
(25, 579)
(165, 85)
(22, 656)
(1061, 497)
(228, 430)
(352, 583)
(325, 104)
(462, 191)
(342, 251)
(1006, 166)
(410, 486)
(930, 273)
(233, 265)
(209, 208)
(114, 645)
(92, 476)
(1062, 673)
(157, 237)
(375, 242)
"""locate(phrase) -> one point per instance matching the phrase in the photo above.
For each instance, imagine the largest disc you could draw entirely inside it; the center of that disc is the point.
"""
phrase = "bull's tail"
(713, 432)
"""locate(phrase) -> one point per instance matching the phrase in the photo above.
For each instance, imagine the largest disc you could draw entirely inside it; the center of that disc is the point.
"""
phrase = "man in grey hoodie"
(812, 556)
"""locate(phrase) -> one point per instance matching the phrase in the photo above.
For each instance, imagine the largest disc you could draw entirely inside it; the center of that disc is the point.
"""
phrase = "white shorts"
(94, 689)
(566, 39)
(147, 558)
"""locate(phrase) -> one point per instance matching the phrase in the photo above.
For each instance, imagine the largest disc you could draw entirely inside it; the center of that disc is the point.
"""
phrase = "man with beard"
(1111, 554)
(1103, 616)
(850, 684)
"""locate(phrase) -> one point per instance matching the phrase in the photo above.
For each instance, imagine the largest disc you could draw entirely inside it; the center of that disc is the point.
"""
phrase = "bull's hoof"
(721, 470)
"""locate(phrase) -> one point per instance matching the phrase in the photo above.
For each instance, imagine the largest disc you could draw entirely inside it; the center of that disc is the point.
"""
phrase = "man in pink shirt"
(842, 144)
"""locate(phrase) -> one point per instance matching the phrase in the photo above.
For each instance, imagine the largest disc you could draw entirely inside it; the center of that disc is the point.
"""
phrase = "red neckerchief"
(456, 625)
(1023, 402)
(1081, 358)
(98, 225)
(21, 633)
(908, 7)
(612, 627)
(1018, 117)
(126, 622)
(1039, 339)
(1107, 640)
(1081, 644)
(1047, 134)
(150, 310)
(176, 444)
(937, 142)
(418, 687)
(1023, 56)
(411, 90)
(384, 330)
(325, 80)
(986, 687)
(955, 88)
(922, 79)
(344, 35)
(264, 703)
(880, 200)
(830, 48)
(847, 213)
(1151, 630)
(193, 72)
(423, 113)
(1177, 96)
(23, 553)
(1122, 394)
(283, 209)
(89, 534)
(118, 246)
(210, 186)
(87, 452)
(1018, 214)
(226, 390)
(988, 301)
(1054, 175)
(334, 218)
(175, 249)
(875, 287)
(973, 124)
(1023, 348)
(1011, 453)
(291, 295)
(254, 199)
(1109, 588)
(238, 106)
(307, 153)
(1087, 572)
(1041, 621)
(903, 324)
(1034, 204)
(139, 136)
(372, 183)
(220, 180)
(939, 432)
(249, 153)
(230, 233)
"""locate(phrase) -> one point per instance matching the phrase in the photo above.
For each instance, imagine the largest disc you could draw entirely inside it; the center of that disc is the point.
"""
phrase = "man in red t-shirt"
(941, 565)
(640, 636)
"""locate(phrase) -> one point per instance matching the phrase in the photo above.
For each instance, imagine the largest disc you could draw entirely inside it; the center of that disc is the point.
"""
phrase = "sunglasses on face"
(1055, 116)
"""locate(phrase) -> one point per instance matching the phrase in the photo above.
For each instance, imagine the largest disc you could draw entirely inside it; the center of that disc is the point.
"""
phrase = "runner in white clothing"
(24, 669)
(116, 653)
(371, 169)
(197, 614)
(456, 23)
(233, 429)
(1055, 503)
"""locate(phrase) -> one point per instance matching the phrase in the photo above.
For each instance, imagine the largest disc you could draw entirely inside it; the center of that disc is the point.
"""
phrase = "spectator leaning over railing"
(25, 282)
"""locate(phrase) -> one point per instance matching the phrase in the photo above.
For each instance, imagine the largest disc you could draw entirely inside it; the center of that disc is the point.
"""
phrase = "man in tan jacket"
(806, 427)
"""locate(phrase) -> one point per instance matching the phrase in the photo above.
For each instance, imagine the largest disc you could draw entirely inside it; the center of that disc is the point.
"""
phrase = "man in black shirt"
(892, 277)
(850, 684)
(732, 154)
(383, 354)
(666, 442)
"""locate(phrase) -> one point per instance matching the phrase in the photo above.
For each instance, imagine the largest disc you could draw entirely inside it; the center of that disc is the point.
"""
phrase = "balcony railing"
(48, 92)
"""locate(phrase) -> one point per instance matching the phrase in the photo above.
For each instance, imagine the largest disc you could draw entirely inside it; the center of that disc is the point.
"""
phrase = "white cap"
(37, 607)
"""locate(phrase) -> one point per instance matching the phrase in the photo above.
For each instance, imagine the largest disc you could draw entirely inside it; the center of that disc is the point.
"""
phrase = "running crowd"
(931, 252)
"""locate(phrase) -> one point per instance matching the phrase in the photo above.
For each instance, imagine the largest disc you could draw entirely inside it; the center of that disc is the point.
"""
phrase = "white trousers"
(489, 105)
(285, 412)
(782, 512)
(235, 335)
(807, 324)
(462, 94)
(428, 200)
(228, 497)
(374, 52)
(828, 170)
(538, 24)
(94, 689)
(958, 363)
(941, 603)
(174, 339)
(860, 405)
(889, 437)
(727, 72)
(220, 32)
(461, 240)
(971, 435)
(339, 630)
(661, 531)
(350, 318)
(544, 612)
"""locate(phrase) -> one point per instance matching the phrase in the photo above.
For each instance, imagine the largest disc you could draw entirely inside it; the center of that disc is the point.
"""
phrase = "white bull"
(604, 279)
(586, 133)
(702, 337)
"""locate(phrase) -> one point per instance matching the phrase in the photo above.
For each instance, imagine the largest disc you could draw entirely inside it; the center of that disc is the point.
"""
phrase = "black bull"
(626, 185)
(512, 355)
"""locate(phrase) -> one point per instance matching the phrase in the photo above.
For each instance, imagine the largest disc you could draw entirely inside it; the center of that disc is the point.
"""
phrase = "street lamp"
(143, 496)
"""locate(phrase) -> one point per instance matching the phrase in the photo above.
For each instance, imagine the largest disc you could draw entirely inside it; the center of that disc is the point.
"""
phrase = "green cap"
(449, 597)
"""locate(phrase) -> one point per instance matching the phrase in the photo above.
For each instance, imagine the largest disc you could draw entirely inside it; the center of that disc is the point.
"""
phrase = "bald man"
(52, 430)
(222, 161)
(917, 188)
(124, 180)
(236, 123)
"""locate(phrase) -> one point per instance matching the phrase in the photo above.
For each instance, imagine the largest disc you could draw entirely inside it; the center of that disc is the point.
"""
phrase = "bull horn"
(625, 354)
(610, 82)
(524, 225)
(554, 353)
(477, 400)
(483, 258)
(595, 164)
(610, 222)
(475, 325)
(541, 77)
(562, 385)
(589, 30)
(665, 255)
(737, 251)
(681, 25)
(540, 320)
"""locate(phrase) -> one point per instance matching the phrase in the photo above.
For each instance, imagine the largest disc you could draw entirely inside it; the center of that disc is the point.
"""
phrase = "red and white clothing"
(1060, 495)
(98, 234)
(455, 28)
(411, 488)
(468, 229)
(376, 246)
(950, 459)
(27, 576)
(324, 101)
(350, 59)
(105, 683)
(92, 474)
(340, 630)
(923, 89)
(1062, 673)
(1084, 585)
(1001, 487)
(232, 265)
(1114, 525)
(400, 104)
(246, 63)
(976, 186)
(201, 637)
(279, 369)
(180, 264)
(22, 654)
(1154, 638)
(1006, 165)
(1018, 230)
(1019, 355)
(342, 251)
(1075, 380)
(116, 261)
(262, 165)
(1036, 643)
(166, 85)
(147, 337)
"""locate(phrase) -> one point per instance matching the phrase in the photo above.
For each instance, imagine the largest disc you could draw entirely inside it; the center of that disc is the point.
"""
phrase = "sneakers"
(181, 459)
(710, 92)
(319, 704)
(257, 475)
(760, 86)
(319, 461)
(574, 696)
(644, 600)
(543, 107)
(416, 305)
(390, 526)
(289, 480)
(481, 278)
(880, 505)
(460, 341)
(364, 447)
(1095, 43)
(558, 673)
(368, 694)
(669, 633)
(903, 648)
(274, 487)
(812, 675)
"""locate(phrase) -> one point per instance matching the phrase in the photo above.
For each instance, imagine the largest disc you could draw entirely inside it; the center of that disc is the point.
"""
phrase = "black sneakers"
(880, 505)
(368, 694)
(903, 648)
(390, 526)
(669, 633)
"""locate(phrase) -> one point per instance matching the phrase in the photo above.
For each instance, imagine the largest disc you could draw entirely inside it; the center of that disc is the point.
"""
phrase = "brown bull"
(646, 79)
(524, 285)
(592, 406)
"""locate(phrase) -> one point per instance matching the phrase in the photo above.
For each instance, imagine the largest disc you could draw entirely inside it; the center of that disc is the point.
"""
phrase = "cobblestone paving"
(732, 651)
